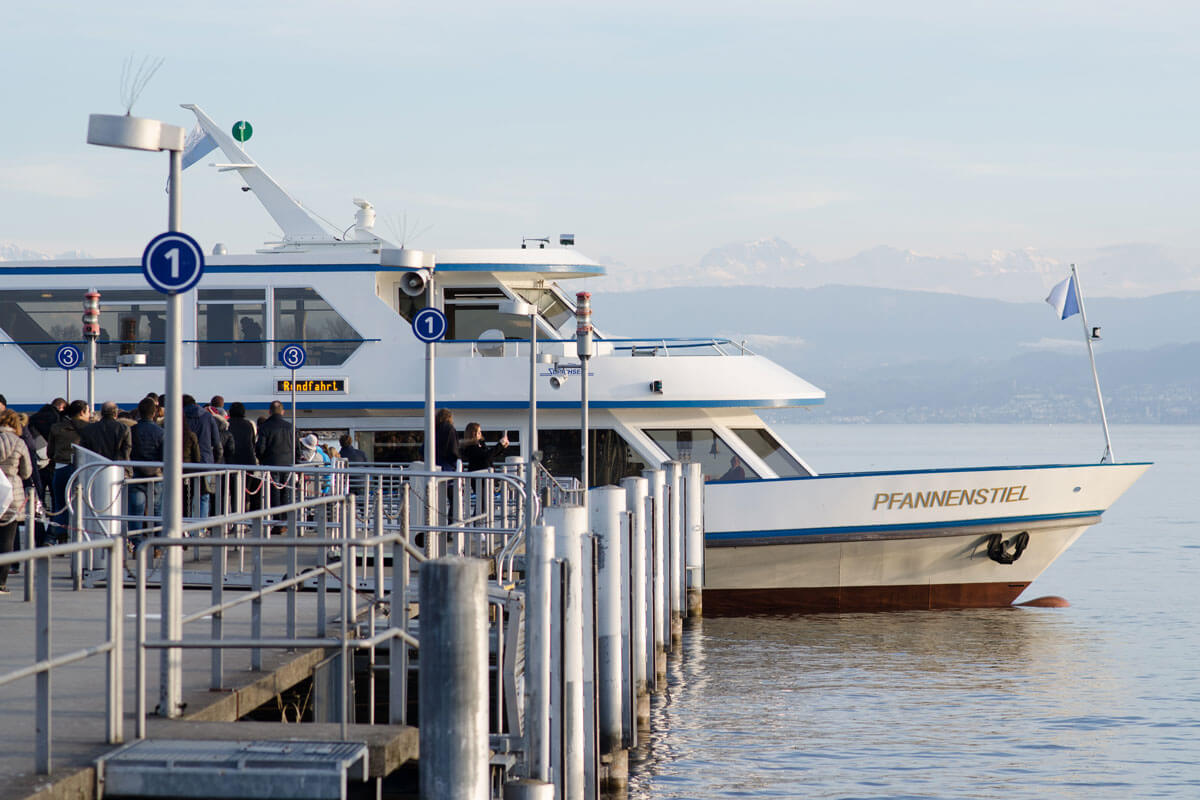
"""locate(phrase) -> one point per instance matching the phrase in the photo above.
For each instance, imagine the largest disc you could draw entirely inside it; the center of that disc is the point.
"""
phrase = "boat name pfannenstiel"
(949, 497)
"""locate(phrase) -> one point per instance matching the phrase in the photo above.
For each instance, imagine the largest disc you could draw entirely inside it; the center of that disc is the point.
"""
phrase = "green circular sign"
(242, 130)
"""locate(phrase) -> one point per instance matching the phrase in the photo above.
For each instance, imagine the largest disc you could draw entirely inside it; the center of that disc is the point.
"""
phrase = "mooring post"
(694, 531)
(675, 549)
(569, 523)
(605, 507)
(539, 552)
(655, 520)
(453, 691)
(641, 620)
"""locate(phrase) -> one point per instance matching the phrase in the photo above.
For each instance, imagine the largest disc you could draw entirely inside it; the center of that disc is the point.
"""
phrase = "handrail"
(39, 560)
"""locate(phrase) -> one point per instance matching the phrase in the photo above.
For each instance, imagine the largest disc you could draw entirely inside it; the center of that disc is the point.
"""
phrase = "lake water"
(1101, 699)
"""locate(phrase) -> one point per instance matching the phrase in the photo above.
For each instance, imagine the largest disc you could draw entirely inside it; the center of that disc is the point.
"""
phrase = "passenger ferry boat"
(780, 536)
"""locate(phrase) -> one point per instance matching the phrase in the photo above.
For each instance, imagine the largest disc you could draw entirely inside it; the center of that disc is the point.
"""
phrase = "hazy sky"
(653, 131)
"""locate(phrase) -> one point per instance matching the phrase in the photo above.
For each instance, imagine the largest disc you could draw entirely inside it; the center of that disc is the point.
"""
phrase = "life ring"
(1006, 552)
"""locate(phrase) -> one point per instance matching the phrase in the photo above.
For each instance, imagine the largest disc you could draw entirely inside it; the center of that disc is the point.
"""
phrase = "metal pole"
(642, 617)
(1108, 457)
(430, 431)
(171, 663)
(539, 553)
(530, 458)
(583, 348)
(604, 508)
(453, 679)
(569, 523)
(675, 548)
(295, 430)
(91, 374)
(694, 537)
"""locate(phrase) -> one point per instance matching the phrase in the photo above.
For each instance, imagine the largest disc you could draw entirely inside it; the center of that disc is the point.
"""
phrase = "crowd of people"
(37, 456)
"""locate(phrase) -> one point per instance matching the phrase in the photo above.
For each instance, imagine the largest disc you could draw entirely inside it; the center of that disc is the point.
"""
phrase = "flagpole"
(1108, 457)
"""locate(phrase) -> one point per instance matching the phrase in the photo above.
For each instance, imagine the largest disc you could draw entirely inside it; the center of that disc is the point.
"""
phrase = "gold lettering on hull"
(894, 501)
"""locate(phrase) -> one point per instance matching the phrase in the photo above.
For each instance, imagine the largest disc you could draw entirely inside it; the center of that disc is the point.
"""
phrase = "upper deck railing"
(665, 346)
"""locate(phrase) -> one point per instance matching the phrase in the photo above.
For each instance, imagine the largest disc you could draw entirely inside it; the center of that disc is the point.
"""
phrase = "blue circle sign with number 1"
(293, 356)
(172, 262)
(430, 325)
(68, 356)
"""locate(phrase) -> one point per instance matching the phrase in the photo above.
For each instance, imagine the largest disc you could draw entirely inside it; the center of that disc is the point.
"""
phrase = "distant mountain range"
(906, 356)
(1018, 275)
(11, 252)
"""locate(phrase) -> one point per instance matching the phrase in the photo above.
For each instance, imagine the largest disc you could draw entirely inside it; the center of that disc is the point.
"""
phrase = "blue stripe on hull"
(801, 533)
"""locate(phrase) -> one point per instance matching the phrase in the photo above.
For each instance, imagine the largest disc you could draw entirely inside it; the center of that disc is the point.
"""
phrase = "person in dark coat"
(63, 437)
(107, 436)
(445, 438)
(475, 452)
(241, 451)
(349, 452)
(276, 447)
(41, 422)
(147, 438)
(208, 435)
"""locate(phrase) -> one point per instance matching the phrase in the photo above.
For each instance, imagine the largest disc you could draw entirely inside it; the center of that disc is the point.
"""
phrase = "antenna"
(401, 231)
(133, 81)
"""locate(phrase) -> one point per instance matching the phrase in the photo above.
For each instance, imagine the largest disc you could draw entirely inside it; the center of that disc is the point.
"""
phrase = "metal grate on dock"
(228, 770)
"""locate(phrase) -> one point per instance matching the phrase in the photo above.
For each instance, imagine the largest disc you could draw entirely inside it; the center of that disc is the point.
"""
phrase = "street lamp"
(91, 332)
(519, 308)
(136, 133)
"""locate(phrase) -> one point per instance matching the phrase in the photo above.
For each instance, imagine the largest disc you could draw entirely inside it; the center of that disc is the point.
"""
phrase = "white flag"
(1063, 298)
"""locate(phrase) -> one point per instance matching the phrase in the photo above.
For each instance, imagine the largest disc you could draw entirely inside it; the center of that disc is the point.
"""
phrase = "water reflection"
(867, 705)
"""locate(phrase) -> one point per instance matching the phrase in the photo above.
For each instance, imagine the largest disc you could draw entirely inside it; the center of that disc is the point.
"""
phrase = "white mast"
(1089, 337)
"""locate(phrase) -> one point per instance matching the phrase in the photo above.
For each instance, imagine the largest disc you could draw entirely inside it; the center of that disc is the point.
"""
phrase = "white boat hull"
(929, 549)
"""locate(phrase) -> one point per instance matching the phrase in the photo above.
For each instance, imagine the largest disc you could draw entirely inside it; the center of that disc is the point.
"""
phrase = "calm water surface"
(1101, 699)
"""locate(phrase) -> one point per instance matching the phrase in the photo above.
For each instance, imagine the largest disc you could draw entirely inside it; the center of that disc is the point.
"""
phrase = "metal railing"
(36, 564)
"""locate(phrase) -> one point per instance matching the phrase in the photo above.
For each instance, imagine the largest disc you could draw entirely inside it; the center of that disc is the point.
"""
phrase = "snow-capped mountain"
(1017, 275)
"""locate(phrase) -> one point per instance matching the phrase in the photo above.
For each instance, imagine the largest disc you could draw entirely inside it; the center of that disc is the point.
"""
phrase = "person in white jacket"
(16, 466)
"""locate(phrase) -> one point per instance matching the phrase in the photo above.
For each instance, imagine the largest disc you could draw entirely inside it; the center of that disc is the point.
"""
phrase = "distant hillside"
(908, 356)
(1125, 270)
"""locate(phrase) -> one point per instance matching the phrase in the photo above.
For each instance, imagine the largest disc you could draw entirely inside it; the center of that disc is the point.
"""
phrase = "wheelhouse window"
(702, 445)
(767, 447)
(474, 313)
(610, 458)
(303, 317)
(552, 307)
(131, 322)
(230, 327)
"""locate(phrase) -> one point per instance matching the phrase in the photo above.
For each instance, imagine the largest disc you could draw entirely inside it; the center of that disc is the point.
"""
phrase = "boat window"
(767, 447)
(474, 313)
(610, 458)
(229, 327)
(702, 445)
(131, 322)
(407, 306)
(394, 447)
(303, 317)
(549, 305)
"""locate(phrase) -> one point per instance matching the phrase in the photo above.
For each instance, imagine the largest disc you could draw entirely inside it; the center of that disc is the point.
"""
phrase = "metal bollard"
(605, 505)
(694, 534)
(675, 546)
(569, 523)
(453, 691)
(539, 552)
(656, 533)
(641, 620)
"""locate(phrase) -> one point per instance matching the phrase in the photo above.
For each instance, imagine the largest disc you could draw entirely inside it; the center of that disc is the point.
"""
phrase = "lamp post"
(583, 346)
(519, 308)
(135, 133)
(91, 331)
